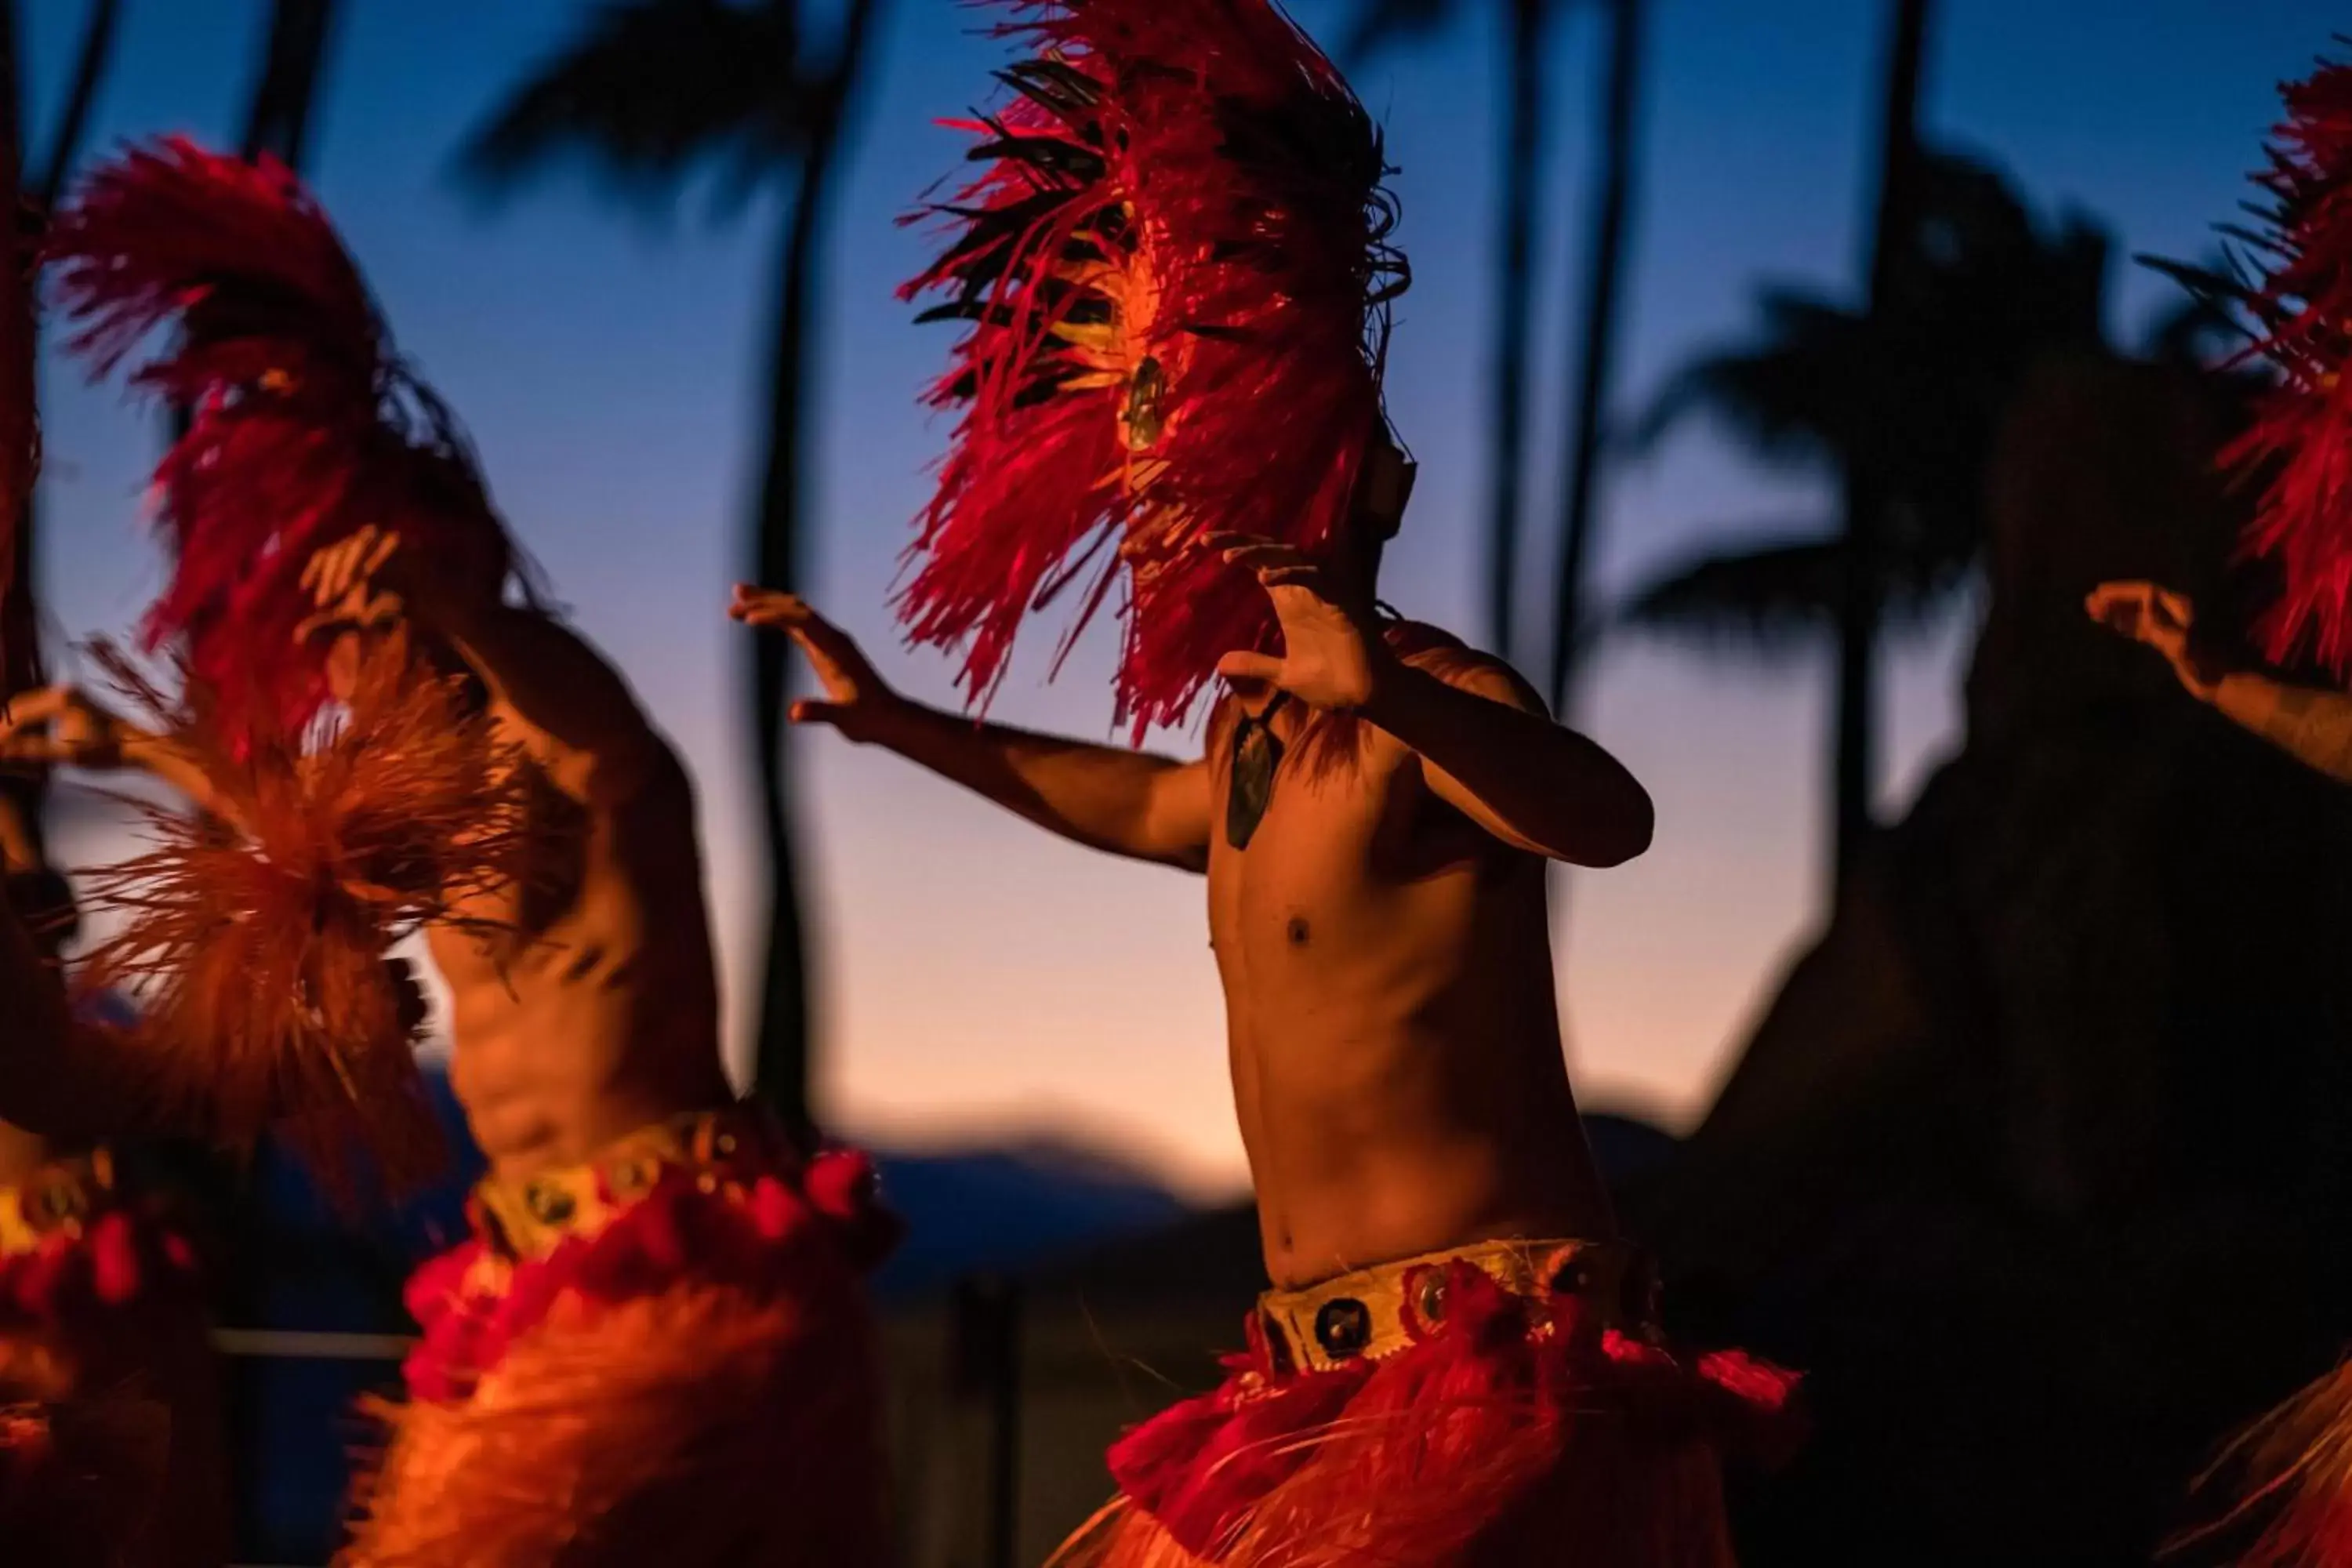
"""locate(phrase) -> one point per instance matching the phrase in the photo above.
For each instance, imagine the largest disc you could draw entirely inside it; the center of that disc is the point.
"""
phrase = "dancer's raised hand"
(856, 698)
(357, 583)
(2165, 621)
(1332, 653)
(61, 726)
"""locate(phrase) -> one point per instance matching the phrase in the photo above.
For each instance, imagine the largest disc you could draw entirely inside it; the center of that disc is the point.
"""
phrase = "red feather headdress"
(2298, 448)
(256, 930)
(304, 426)
(1176, 267)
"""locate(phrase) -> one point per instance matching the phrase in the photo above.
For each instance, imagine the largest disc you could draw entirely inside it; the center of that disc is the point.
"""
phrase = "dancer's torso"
(599, 1014)
(1392, 1029)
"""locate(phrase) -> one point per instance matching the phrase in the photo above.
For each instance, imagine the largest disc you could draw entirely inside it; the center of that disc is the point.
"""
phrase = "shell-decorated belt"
(1377, 1311)
(720, 1150)
(57, 1199)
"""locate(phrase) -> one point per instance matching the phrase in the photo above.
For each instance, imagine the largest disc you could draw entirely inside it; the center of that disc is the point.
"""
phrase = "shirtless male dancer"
(2291, 289)
(2293, 1467)
(1173, 266)
(585, 1053)
(1383, 941)
(655, 1346)
(99, 1296)
(1382, 937)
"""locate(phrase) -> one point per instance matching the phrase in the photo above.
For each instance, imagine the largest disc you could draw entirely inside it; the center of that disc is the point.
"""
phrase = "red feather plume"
(1176, 271)
(2299, 446)
(258, 930)
(304, 425)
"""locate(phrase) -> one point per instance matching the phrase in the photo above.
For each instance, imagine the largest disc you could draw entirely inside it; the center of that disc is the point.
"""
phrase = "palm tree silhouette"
(19, 437)
(1902, 397)
(652, 92)
(1604, 267)
(1525, 104)
(277, 117)
(30, 191)
(1861, 605)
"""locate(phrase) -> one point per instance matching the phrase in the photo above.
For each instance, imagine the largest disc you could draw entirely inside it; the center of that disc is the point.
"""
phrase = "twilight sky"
(977, 979)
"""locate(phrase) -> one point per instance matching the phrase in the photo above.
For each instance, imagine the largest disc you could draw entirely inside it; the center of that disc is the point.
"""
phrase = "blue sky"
(977, 979)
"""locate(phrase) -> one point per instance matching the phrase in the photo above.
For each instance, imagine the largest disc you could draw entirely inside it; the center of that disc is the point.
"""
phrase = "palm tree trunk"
(1514, 300)
(73, 122)
(277, 118)
(1604, 263)
(21, 666)
(19, 432)
(780, 1064)
(1856, 759)
(277, 115)
(20, 612)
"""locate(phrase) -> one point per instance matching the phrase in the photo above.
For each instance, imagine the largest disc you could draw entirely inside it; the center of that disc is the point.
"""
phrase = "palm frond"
(2220, 301)
(649, 90)
(1772, 601)
(1906, 397)
(1983, 289)
(1788, 394)
(1775, 599)
(1378, 23)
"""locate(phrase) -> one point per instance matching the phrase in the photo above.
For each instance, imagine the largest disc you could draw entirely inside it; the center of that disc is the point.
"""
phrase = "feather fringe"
(2287, 1481)
(304, 425)
(1484, 1443)
(1177, 270)
(257, 931)
(703, 1426)
(120, 1262)
(778, 1236)
(2298, 292)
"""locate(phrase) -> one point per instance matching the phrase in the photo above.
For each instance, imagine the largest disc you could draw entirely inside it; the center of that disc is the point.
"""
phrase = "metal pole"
(987, 1373)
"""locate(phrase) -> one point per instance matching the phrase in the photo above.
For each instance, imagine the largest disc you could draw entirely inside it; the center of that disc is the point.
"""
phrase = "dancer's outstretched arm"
(1121, 802)
(63, 726)
(2313, 726)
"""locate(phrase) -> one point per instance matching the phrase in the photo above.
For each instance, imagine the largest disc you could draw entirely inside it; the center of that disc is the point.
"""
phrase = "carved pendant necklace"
(1249, 789)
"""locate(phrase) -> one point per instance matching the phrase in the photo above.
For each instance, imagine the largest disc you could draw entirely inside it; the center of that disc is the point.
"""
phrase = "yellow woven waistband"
(58, 1198)
(722, 1149)
(1377, 1311)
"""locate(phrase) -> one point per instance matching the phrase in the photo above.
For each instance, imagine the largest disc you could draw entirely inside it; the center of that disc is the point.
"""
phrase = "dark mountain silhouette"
(1003, 1210)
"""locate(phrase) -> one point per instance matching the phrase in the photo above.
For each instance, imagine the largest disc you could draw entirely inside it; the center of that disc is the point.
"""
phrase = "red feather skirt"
(1519, 1429)
(664, 1357)
(103, 1328)
(77, 1254)
(2286, 1482)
